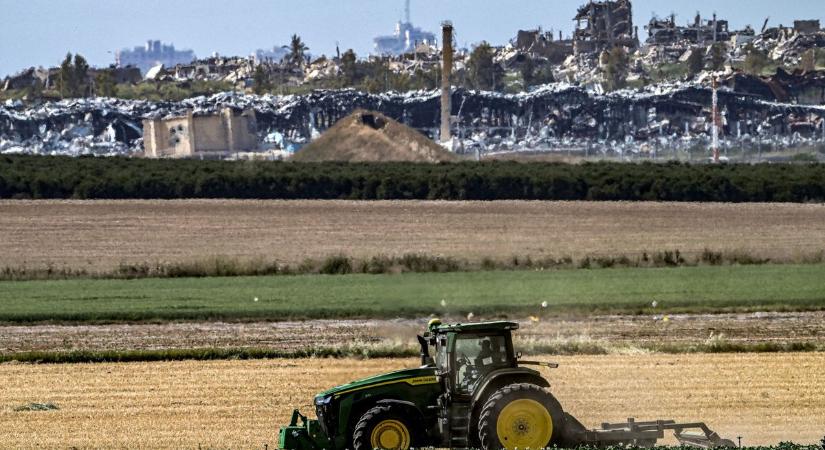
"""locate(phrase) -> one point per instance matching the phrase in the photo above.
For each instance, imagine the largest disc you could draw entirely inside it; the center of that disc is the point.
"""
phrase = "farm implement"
(474, 393)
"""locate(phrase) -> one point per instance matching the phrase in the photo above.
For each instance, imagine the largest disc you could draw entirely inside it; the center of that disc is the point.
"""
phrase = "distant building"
(153, 54)
(202, 136)
(405, 39)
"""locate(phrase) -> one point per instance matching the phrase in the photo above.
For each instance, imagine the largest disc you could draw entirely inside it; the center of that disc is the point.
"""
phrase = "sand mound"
(367, 136)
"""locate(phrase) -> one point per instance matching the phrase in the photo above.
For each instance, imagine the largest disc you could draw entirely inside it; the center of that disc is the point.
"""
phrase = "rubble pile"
(788, 44)
(551, 117)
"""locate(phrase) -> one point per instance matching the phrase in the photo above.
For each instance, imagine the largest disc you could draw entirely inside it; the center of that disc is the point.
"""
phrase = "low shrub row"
(41, 177)
(408, 263)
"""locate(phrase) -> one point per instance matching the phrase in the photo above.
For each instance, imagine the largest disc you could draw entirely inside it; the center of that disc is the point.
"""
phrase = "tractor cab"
(466, 354)
(472, 362)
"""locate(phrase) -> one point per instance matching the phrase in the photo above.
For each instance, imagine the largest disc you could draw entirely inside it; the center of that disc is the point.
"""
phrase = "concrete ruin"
(542, 44)
(212, 136)
(602, 25)
(47, 78)
(27, 78)
(807, 26)
(700, 32)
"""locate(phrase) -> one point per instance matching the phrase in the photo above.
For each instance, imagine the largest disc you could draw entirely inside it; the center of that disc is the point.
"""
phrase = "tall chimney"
(715, 27)
(446, 73)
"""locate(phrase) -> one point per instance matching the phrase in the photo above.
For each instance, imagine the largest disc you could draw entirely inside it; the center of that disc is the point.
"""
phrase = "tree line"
(55, 177)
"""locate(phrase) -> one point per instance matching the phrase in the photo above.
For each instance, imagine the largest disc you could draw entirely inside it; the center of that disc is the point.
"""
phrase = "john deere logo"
(422, 380)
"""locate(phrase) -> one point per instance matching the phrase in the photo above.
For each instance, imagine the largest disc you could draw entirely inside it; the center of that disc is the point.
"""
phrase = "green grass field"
(686, 289)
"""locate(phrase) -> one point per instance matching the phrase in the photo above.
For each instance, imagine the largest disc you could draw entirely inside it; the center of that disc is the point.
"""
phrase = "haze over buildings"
(97, 29)
(405, 38)
(152, 54)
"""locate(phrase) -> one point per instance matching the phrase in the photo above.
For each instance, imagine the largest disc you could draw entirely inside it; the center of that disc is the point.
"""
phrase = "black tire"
(491, 411)
(389, 417)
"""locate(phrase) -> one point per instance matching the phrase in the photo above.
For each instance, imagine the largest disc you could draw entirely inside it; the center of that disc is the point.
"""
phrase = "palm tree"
(297, 50)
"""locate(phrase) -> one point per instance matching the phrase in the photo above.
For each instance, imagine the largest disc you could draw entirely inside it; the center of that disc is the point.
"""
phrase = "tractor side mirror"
(518, 355)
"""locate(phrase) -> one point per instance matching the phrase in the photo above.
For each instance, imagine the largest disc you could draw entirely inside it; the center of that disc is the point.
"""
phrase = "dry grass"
(100, 235)
(237, 404)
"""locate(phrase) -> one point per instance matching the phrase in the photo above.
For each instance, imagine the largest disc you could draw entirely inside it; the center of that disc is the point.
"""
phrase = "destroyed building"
(544, 45)
(200, 136)
(757, 113)
(602, 25)
(700, 32)
(807, 26)
(48, 78)
(215, 68)
(27, 78)
(151, 55)
(405, 38)
(119, 75)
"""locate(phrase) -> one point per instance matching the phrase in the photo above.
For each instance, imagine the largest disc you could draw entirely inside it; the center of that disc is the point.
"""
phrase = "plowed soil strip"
(644, 330)
(100, 235)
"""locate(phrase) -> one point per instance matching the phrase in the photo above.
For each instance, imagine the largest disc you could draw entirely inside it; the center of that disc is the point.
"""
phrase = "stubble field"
(238, 404)
(100, 235)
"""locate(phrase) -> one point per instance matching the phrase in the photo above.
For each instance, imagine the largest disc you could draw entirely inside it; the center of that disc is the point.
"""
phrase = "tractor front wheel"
(520, 416)
(385, 427)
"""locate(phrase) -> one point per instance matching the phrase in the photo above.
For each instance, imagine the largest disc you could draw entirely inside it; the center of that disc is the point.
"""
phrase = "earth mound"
(368, 136)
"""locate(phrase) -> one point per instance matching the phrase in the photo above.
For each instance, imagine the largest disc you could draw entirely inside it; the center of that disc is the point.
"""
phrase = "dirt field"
(608, 331)
(237, 404)
(99, 235)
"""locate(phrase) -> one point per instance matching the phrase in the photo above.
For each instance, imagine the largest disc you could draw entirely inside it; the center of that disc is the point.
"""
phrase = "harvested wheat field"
(100, 235)
(237, 404)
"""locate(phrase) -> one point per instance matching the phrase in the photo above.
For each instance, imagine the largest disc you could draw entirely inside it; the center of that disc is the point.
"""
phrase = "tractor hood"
(412, 377)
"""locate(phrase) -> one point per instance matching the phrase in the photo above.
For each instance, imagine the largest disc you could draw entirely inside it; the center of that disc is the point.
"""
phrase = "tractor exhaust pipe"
(426, 359)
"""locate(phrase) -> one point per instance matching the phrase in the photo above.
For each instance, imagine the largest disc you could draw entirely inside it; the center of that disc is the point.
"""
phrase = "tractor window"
(475, 357)
(441, 353)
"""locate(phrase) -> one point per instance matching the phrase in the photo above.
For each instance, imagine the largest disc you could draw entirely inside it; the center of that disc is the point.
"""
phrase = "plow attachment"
(644, 434)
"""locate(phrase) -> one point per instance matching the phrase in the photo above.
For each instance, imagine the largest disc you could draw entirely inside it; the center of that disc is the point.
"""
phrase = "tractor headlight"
(322, 410)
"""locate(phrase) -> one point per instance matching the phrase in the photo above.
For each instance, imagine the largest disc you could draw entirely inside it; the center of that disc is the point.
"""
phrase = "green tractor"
(473, 394)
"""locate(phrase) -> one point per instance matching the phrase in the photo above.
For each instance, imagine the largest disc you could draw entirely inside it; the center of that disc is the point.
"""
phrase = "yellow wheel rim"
(524, 424)
(390, 435)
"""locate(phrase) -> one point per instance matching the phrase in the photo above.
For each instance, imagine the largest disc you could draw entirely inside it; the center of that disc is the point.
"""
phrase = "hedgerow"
(52, 177)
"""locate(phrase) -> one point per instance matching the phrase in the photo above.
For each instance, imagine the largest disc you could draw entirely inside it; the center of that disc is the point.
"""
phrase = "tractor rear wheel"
(385, 427)
(520, 416)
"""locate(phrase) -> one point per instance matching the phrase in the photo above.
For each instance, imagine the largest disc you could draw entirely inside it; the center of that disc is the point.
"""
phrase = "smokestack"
(715, 27)
(715, 119)
(446, 73)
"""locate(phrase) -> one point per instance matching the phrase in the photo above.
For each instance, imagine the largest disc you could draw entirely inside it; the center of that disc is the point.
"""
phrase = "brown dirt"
(369, 136)
(615, 331)
(223, 404)
(99, 235)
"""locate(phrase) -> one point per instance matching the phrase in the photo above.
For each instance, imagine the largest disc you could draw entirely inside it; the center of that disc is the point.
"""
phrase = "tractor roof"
(475, 327)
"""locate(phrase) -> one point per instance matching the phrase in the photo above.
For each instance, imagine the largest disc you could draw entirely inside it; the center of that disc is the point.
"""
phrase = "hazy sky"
(40, 32)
